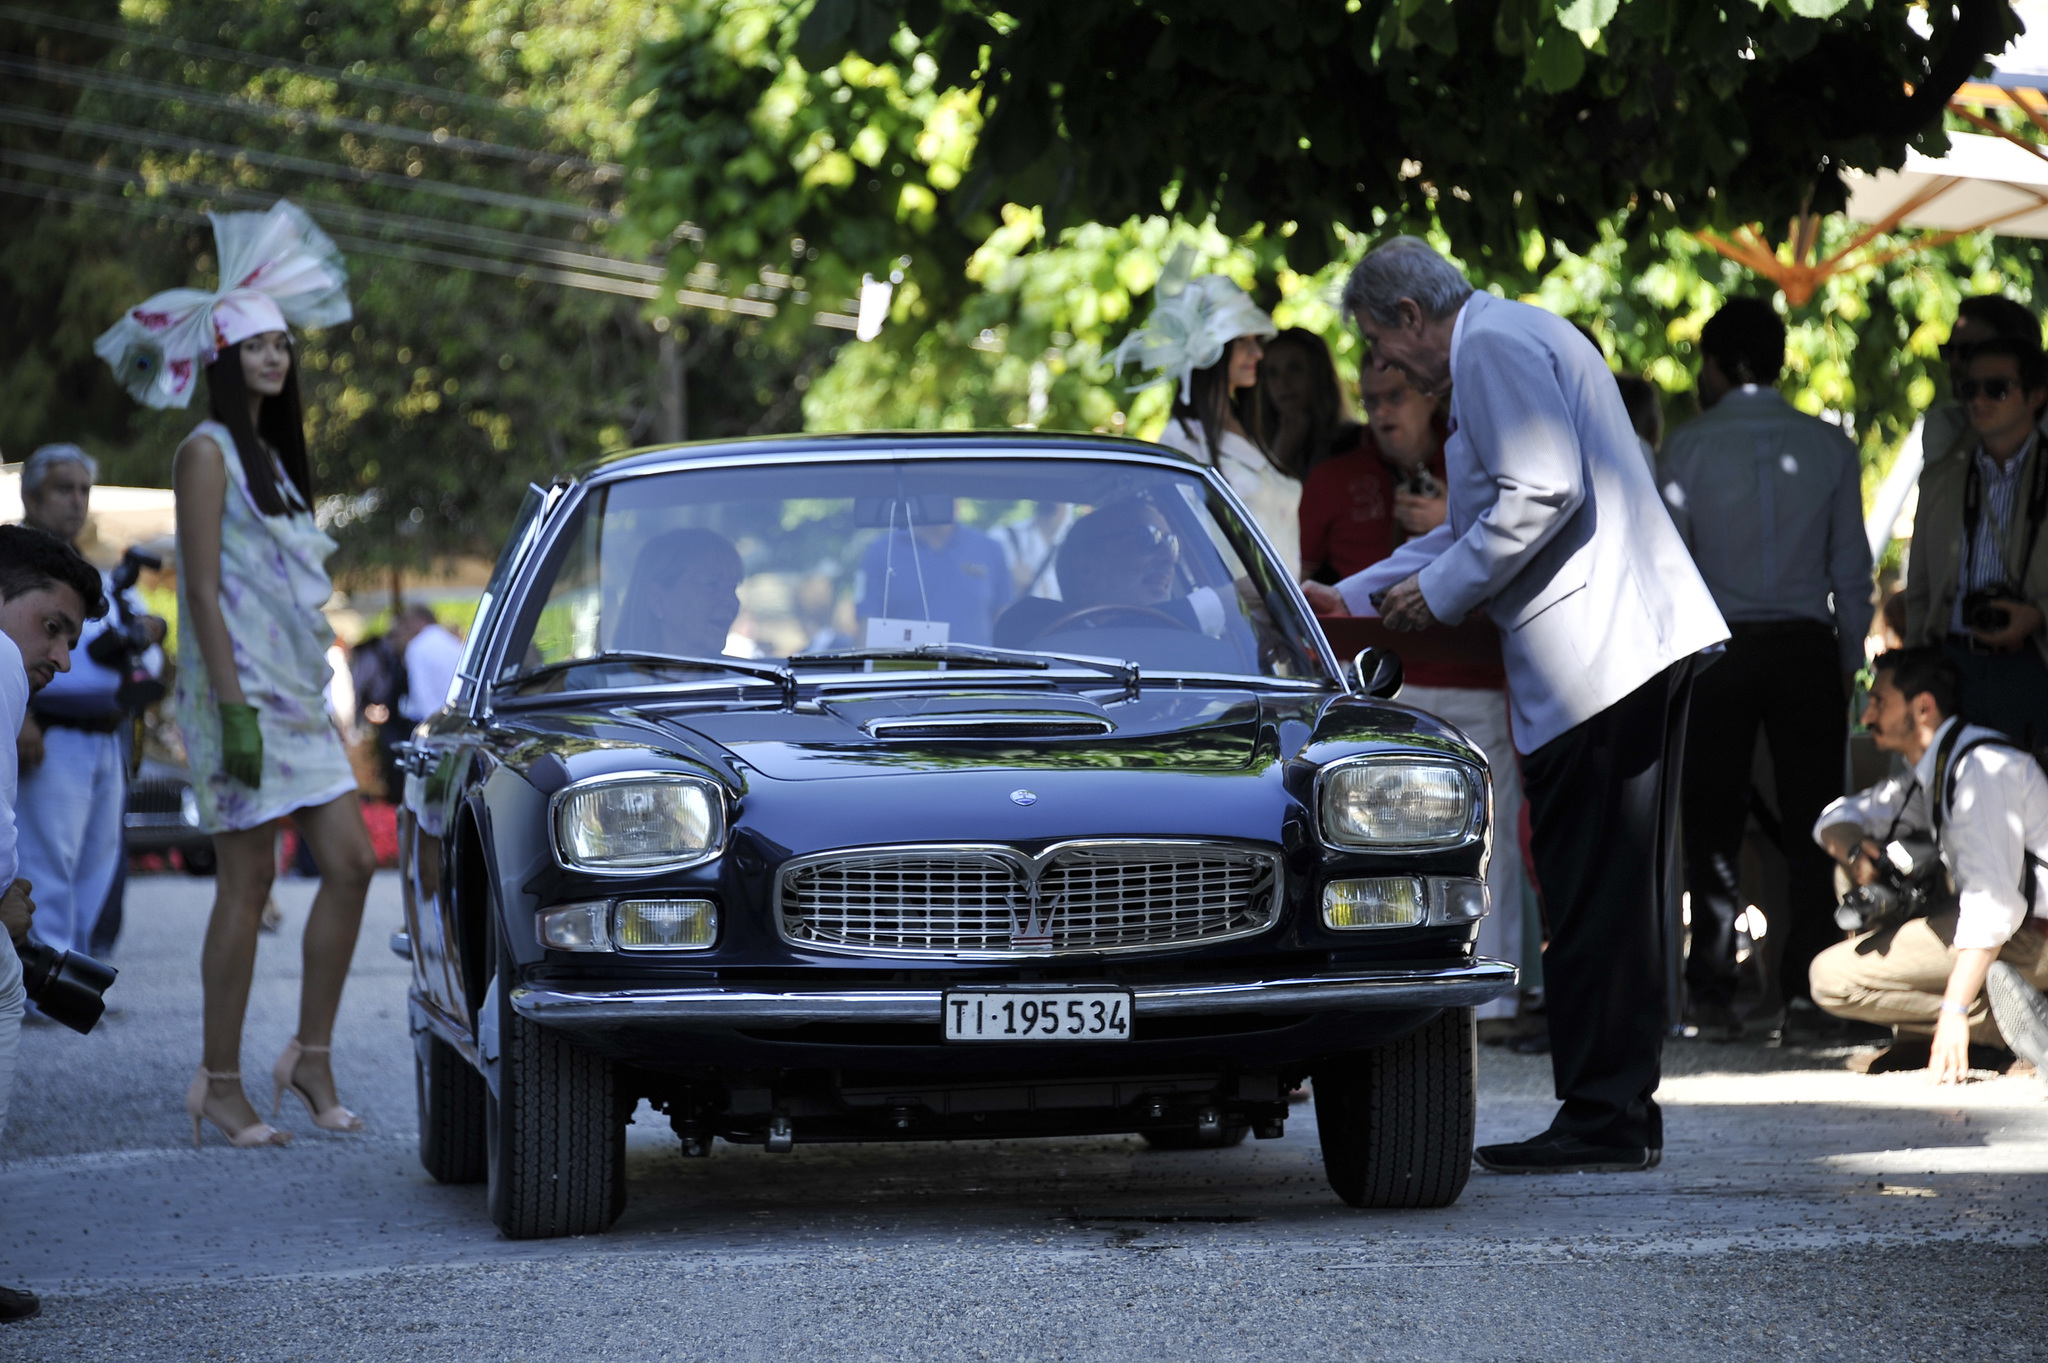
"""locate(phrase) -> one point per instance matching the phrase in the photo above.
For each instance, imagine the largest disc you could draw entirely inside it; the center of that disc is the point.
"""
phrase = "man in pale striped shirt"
(1977, 579)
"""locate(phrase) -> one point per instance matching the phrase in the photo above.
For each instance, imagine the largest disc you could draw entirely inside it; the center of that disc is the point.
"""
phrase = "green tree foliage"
(880, 132)
(1024, 169)
(463, 154)
(1026, 346)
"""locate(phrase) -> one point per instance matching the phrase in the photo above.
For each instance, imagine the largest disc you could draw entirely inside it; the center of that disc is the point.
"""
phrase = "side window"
(567, 626)
(524, 526)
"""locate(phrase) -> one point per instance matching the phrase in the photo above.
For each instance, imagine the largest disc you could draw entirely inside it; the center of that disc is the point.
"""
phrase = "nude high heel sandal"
(336, 1118)
(254, 1134)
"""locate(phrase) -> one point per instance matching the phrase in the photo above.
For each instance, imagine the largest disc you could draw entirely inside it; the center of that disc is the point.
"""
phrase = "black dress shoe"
(1556, 1152)
(18, 1303)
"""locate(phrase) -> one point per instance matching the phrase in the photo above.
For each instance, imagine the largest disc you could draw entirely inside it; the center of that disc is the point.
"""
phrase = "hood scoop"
(983, 728)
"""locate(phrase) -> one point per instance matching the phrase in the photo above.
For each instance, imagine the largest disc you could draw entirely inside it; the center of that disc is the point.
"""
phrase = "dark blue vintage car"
(928, 787)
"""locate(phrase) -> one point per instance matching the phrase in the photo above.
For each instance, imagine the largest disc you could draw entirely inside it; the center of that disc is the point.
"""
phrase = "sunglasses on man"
(1994, 390)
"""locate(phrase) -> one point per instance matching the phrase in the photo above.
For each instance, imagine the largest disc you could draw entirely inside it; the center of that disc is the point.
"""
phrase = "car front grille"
(995, 902)
(156, 795)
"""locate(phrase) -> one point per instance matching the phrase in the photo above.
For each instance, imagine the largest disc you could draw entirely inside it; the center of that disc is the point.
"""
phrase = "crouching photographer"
(1946, 861)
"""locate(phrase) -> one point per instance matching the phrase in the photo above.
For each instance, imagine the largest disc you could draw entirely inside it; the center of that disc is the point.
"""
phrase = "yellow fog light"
(665, 925)
(1383, 902)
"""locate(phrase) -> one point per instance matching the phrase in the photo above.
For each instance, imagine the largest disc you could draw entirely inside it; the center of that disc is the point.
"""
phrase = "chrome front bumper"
(1351, 991)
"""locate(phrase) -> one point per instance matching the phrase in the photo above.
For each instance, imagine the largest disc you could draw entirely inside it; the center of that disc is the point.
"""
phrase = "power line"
(24, 116)
(364, 245)
(441, 140)
(187, 48)
(546, 250)
(575, 279)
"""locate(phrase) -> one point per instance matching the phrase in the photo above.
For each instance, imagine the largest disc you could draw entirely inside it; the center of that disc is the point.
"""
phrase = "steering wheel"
(1148, 614)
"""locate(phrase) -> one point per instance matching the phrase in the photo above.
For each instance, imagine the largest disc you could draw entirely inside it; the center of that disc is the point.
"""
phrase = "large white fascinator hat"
(1192, 324)
(277, 270)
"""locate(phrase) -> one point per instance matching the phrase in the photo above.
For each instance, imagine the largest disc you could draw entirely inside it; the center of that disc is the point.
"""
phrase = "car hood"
(882, 734)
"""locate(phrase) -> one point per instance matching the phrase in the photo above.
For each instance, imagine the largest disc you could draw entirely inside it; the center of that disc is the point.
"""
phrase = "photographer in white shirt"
(1986, 802)
(47, 593)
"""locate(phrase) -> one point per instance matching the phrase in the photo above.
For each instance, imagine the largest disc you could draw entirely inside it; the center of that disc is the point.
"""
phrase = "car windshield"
(968, 561)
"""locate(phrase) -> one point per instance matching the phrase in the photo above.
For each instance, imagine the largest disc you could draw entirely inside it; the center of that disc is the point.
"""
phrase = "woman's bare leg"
(246, 864)
(335, 834)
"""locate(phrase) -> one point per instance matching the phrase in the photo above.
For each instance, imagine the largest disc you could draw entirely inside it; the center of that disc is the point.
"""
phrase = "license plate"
(1019, 1015)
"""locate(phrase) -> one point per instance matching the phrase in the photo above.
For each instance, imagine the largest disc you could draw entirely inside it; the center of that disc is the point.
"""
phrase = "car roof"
(767, 448)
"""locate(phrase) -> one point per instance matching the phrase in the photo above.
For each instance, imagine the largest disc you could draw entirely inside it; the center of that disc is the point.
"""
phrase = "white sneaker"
(2021, 1012)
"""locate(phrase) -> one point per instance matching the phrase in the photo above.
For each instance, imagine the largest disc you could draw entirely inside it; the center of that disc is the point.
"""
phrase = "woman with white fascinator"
(252, 653)
(1206, 337)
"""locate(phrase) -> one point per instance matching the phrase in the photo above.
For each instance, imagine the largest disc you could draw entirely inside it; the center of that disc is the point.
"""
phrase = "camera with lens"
(1988, 609)
(122, 645)
(1422, 483)
(1911, 883)
(67, 986)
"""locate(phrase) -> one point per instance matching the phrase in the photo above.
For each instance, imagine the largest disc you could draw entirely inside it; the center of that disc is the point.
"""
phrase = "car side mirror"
(1378, 671)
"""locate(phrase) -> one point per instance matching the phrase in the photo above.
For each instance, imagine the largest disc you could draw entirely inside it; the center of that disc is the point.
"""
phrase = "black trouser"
(1602, 800)
(2003, 691)
(1785, 677)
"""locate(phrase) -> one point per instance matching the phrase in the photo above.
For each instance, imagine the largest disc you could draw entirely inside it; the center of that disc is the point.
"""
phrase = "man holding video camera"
(1977, 582)
(1971, 813)
(47, 593)
(74, 745)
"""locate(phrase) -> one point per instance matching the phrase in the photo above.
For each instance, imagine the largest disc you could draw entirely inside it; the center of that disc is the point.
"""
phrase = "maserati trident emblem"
(1023, 797)
(1027, 928)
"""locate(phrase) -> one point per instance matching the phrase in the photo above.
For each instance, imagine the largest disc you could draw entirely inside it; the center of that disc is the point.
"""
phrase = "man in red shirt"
(1357, 508)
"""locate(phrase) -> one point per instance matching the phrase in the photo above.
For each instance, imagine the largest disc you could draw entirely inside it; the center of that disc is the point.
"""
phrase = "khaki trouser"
(1897, 977)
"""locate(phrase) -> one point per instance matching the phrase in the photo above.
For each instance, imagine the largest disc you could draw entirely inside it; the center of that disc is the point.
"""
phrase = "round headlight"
(640, 823)
(1380, 803)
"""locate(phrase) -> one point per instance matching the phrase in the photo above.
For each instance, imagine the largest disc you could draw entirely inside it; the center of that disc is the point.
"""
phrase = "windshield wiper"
(781, 676)
(1127, 672)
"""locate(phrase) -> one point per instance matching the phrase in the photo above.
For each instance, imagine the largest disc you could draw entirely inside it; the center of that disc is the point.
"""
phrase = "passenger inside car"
(683, 597)
(1120, 565)
(948, 573)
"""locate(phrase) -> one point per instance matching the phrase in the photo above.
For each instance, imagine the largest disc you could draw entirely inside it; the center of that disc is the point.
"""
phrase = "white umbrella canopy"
(1989, 179)
(1983, 182)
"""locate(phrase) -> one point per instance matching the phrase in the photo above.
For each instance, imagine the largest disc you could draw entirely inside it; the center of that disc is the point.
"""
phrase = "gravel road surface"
(1800, 1211)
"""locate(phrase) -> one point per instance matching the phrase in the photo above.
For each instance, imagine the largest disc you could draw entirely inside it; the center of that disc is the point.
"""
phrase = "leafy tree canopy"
(858, 137)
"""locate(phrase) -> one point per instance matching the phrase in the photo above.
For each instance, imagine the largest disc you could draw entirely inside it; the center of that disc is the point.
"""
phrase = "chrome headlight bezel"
(1472, 828)
(714, 846)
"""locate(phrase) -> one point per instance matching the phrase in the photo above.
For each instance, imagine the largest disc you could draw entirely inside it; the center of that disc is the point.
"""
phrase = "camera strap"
(1973, 511)
(1946, 761)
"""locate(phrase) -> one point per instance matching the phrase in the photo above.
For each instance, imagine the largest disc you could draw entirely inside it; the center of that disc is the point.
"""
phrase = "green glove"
(241, 744)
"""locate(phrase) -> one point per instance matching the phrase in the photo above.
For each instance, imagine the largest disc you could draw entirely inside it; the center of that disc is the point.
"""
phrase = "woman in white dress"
(252, 650)
(1206, 336)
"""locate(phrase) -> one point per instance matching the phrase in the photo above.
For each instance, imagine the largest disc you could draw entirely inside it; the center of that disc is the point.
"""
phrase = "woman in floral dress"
(252, 665)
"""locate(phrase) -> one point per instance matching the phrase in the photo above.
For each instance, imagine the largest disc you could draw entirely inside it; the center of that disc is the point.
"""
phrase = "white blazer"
(1555, 525)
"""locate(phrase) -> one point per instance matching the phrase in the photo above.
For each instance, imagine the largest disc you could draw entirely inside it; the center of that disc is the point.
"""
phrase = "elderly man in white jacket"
(1557, 533)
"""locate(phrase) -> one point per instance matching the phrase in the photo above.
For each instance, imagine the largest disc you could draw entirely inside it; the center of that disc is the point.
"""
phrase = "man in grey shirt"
(1769, 501)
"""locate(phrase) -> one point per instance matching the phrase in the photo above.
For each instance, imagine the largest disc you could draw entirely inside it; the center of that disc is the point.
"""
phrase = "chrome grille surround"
(973, 902)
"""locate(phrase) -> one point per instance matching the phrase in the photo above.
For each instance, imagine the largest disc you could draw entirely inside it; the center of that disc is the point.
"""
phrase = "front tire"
(451, 1098)
(1398, 1121)
(556, 1143)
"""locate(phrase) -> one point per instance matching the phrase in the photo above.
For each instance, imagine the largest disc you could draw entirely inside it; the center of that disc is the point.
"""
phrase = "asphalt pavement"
(1801, 1211)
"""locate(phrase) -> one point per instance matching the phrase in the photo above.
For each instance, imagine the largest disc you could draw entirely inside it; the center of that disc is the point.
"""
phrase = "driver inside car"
(1120, 565)
(684, 596)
